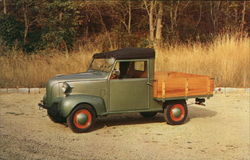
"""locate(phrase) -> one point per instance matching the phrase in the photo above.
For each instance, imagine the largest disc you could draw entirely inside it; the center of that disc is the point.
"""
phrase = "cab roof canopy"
(128, 53)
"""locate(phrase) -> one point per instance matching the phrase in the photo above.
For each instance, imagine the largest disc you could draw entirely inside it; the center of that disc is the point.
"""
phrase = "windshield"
(104, 65)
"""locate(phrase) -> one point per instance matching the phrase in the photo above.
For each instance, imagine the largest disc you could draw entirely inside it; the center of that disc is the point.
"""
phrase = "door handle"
(149, 84)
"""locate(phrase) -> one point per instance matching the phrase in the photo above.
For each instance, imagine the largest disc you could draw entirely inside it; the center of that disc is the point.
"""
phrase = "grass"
(21, 70)
(227, 59)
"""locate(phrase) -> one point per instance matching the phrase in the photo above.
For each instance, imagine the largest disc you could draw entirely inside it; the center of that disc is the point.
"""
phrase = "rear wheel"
(148, 114)
(175, 113)
(81, 119)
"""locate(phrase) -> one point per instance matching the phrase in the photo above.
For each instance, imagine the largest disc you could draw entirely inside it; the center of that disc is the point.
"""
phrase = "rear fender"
(70, 102)
(183, 101)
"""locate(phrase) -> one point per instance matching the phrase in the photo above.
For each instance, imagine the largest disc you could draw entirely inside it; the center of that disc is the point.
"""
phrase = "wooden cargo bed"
(169, 85)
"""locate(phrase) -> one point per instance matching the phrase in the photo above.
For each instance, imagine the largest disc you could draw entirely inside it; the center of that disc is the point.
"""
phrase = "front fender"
(70, 102)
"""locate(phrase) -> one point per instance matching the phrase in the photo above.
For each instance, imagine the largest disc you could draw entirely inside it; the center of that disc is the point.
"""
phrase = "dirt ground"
(218, 131)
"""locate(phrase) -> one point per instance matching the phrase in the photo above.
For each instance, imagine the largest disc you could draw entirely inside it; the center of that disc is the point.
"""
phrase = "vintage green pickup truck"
(122, 81)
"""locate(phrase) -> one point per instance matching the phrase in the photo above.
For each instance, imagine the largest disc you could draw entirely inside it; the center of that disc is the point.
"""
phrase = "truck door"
(128, 86)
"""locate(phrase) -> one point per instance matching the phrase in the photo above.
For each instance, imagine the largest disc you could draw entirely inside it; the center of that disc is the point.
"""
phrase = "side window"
(140, 66)
(130, 69)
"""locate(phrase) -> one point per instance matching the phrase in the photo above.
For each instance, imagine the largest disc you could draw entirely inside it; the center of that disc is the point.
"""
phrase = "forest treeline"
(35, 25)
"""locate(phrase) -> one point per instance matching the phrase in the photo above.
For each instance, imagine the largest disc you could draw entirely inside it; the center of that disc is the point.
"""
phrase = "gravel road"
(218, 131)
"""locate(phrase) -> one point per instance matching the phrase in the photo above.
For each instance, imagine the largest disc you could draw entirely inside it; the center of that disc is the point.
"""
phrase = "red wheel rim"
(87, 123)
(182, 114)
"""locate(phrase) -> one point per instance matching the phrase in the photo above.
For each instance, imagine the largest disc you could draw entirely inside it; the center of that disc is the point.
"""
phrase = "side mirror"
(115, 74)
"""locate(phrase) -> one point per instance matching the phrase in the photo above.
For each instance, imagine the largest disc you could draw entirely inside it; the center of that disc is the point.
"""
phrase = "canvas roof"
(128, 53)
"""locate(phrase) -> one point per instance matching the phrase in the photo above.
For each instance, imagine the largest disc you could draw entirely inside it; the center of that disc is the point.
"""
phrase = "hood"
(91, 75)
(54, 84)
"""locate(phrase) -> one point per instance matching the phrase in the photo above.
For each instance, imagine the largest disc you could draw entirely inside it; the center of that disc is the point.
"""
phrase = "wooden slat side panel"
(183, 75)
(177, 84)
(177, 74)
(172, 87)
(175, 87)
(162, 76)
(159, 78)
(197, 86)
(160, 86)
(212, 85)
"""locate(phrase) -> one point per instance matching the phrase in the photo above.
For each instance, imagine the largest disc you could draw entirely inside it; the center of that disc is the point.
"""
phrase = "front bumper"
(42, 105)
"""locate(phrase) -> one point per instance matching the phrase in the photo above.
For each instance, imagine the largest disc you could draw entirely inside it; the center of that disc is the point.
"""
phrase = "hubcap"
(176, 112)
(82, 118)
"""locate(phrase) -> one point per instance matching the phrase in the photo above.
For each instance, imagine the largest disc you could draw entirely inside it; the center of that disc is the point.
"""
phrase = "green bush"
(11, 31)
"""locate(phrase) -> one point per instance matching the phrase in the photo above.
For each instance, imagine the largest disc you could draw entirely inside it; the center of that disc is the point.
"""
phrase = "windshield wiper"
(92, 70)
(106, 68)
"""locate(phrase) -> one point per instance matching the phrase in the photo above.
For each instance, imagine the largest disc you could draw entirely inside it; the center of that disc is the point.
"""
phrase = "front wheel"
(81, 119)
(175, 113)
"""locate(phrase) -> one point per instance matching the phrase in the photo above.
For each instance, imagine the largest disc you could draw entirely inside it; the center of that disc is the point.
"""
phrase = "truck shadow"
(199, 112)
(136, 119)
(128, 119)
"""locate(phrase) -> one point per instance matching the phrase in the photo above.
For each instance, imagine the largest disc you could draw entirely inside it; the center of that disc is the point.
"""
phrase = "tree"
(214, 13)
(242, 24)
(158, 35)
(4, 7)
(122, 11)
(11, 31)
(60, 24)
(155, 13)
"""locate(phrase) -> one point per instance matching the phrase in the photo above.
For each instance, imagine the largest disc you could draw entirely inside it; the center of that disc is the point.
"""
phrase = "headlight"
(65, 87)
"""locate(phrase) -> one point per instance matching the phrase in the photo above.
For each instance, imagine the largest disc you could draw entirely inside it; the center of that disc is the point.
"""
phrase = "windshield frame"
(111, 66)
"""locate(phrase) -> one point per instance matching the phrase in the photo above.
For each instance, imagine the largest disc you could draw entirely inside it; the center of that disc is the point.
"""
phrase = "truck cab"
(120, 81)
